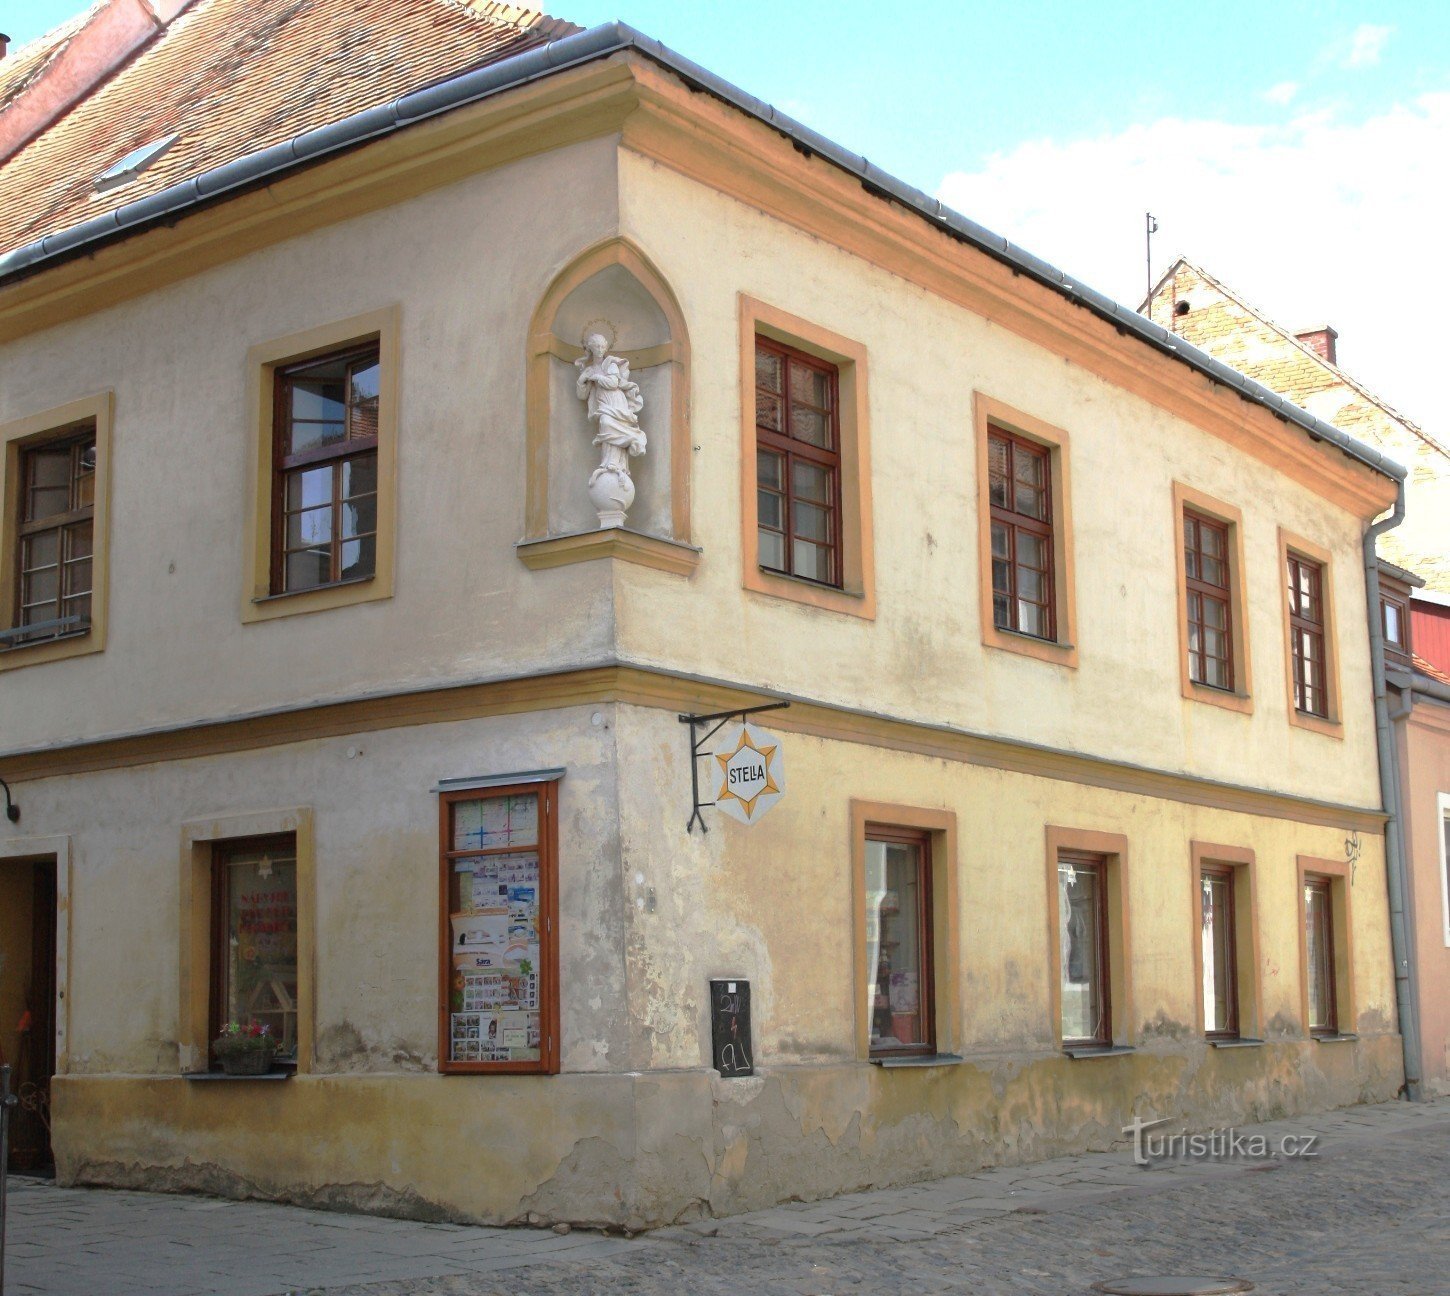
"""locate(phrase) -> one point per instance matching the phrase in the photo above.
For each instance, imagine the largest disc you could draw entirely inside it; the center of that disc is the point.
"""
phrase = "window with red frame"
(1306, 635)
(325, 478)
(1208, 595)
(797, 463)
(1020, 491)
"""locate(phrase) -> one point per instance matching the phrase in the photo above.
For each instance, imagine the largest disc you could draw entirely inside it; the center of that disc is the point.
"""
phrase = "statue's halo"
(605, 328)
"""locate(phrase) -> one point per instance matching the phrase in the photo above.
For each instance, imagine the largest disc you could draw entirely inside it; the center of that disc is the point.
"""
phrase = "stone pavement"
(1369, 1214)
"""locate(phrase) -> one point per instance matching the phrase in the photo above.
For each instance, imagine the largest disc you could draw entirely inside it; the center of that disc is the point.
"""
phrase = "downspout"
(1406, 998)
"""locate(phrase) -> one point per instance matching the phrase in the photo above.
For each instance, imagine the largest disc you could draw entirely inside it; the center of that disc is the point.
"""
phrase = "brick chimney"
(4, 44)
(112, 32)
(1321, 340)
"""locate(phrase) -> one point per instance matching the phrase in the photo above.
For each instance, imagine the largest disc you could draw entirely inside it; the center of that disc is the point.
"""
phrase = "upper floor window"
(55, 535)
(1209, 601)
(325, 470)
(797, 463)
(1395, 620)
(1306, 635)
(1020, 486)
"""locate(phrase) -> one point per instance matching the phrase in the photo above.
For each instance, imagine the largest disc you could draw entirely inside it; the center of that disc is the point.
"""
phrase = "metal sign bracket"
(697, 741)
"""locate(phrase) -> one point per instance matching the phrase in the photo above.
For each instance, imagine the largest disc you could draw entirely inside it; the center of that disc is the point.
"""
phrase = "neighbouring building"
(334, 704)
(1414, 611)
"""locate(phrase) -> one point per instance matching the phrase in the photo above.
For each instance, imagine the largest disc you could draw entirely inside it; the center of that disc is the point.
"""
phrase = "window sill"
(275, 1074)
(315, 589)
(857, 602)
(1335, 1039)
(1080, 1052)
(69, 637)
(1330, 727)
(610, 542)
(1241, 1042)
(1228, 699)
(918, 1060)
(1056, 651)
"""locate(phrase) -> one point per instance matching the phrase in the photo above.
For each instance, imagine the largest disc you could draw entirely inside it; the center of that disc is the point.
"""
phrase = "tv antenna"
(1150, 226)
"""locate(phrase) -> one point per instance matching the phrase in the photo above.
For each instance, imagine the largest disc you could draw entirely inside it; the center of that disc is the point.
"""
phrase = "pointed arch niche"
(611, 286)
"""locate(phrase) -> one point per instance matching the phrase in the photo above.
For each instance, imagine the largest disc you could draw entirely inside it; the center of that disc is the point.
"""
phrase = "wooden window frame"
(260, 602)
(940, 827)
(1248, 989)
(1014, 522)
(76, 441)
(1297, 549)
(1336, 874)
(1112, 848)
(1225, 875)
(1304, 625)
(219, 895)
(1402, 648)
(1442, 827)
(856, 595)
(791, 448)
(926, 961)
(199, 841)
(994, 417)
(90, 416)
(548, 844)
(284, 464)
(1188, 500)
(1101, 992)
(1196, 587)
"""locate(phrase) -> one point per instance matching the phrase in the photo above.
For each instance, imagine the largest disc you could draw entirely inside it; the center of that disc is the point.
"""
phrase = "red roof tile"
(233, 76)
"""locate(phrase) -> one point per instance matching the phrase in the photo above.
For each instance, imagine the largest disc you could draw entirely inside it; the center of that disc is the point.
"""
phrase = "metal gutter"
(613, 38)
(1397, 876)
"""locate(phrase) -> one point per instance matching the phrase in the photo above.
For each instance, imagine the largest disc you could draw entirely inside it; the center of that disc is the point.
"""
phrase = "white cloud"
(1283, 93)
(1366, 44)
(1312, 221)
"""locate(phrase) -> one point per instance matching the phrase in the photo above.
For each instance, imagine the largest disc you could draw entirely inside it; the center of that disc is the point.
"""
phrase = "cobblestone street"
(1369, 1214)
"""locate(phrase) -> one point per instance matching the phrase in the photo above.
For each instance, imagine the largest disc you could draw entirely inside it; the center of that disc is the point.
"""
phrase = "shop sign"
(751, 771)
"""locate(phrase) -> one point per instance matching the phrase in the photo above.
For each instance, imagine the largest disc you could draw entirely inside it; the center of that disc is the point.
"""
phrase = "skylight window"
(135, 162)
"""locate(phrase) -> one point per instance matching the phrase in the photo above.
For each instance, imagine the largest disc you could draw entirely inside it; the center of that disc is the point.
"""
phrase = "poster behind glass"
(494, 922)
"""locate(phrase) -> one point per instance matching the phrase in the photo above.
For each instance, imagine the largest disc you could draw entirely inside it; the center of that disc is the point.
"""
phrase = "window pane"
(1219, 993)
(313, 527)
(810, 426)
(1392, 624)
(1029, 467)
(1214, 572)
(1031, 551)
(1001, 544)
(359, 558)
(769, 510)
(812, 522)
(260, 958)
(810, 386)
(812, 561)
(492, 823)
(1001, 610)
(768, 470)
(1029, 584)
(772, 550)
(1216, 673)
(1079, 902)
(363, 415)
(998, 459)
(38, 591)
(896, 995)
(309, 488)
(1031, 619)
(768, 411)
(359, 516)
(1210, 541)
(767, 369)
(1031, 502)
(1215, 613)
(308, 569)
(1319, 938)
(360, 475)
(810, 482)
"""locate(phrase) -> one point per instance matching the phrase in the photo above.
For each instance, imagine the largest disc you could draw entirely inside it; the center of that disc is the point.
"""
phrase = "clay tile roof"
(233, 76)
(1428, 668)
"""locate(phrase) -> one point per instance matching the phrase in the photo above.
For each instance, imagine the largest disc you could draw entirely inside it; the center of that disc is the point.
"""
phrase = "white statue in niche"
(614, 403)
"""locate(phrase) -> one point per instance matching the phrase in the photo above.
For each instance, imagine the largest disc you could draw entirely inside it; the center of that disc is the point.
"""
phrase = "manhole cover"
(1178, 1286)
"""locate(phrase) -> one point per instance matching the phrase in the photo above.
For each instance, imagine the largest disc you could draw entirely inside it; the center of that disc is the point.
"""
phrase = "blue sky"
(1297, 150)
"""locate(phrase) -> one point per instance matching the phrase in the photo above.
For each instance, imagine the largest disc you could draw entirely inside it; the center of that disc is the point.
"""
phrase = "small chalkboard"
(730, 1027)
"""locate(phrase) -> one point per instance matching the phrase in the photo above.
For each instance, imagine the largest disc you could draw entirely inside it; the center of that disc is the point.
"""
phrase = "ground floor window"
(899, 988)
(1083, 964)
(1219, 937)
(254, 938)
(1320, 956)
(499, 905)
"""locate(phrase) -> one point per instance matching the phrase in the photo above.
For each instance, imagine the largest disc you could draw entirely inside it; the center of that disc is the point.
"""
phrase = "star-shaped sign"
(750, 775)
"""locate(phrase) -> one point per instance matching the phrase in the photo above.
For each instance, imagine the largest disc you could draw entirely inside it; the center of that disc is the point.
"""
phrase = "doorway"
(27, 1005)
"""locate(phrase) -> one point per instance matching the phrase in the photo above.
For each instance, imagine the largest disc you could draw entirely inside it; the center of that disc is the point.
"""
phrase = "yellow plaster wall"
(922, 656)
(465, 266)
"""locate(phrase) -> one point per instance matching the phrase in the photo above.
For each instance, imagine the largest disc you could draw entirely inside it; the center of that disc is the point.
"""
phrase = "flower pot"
(246, 1061)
